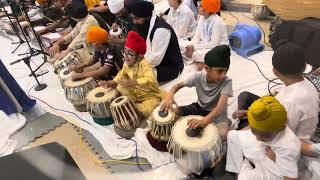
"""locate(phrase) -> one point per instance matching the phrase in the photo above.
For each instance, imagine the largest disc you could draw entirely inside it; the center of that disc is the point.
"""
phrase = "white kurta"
(301, 101)
(243, 147)
(182, 21)
(210, 32)
(192, 6)
(160, 42)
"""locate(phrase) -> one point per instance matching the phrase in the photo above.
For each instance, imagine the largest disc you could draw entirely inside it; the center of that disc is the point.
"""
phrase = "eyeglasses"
(128, 53)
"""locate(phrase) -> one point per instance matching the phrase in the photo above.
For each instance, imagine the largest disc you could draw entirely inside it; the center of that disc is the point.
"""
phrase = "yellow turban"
(97, 35)
(267, 115)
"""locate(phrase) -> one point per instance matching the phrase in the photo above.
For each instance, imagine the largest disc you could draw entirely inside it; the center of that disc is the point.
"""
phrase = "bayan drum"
(64, 74)
(161, 125)
(126, 116)
(98, 104)
(76, 92)
(116, 33)
(49, 39)
(71, 59)
(196, 150)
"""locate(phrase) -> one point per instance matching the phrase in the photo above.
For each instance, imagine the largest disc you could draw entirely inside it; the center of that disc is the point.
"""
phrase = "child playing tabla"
(104, 54)
(213, 89)
(136, 80)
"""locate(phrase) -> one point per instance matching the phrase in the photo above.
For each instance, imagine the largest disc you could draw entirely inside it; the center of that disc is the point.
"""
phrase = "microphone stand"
(9, 16)
(33, 52)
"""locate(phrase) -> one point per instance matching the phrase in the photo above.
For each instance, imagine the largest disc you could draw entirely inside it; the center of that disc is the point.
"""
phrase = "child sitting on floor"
(269, 149)
(104, 54)
(136, 80)
(213, 89)
(298, 96)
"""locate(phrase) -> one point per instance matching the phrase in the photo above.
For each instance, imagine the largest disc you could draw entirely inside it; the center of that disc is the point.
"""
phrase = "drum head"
(115, 33)
(71, 83)
(161, 116)
(119, 101)
(65, 73)
(209, 135)
(100, 95)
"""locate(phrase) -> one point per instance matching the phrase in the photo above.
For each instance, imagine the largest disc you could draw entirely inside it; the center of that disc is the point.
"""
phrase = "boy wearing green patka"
(213, 89)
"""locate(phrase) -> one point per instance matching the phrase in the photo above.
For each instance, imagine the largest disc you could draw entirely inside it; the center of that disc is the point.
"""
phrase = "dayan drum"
(116, 33)
(260, 11)
(126, 116)
(49, 39)
(198, 152)
(161, 125)
(71, 59)
(76, 92)
(98, 104)
(64, 74)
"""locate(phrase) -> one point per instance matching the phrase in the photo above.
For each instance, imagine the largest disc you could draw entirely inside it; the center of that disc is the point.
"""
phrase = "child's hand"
(73, 68)
(103, 84)
(270, 153)
(239, 114)
(77, 76)
(167, 104)
(194, 123)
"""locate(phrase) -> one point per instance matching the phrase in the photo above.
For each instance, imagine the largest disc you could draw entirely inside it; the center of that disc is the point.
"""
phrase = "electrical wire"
(82, 144)
(237, 19)
(264, 33)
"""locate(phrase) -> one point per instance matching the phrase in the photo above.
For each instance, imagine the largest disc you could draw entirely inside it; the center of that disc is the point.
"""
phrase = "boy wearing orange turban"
(137, 80)
(269, 149)
(98, 38)
(211, 31)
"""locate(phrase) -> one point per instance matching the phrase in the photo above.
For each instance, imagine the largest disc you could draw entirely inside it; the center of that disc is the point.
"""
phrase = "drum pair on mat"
(71, 59)
(127, 117)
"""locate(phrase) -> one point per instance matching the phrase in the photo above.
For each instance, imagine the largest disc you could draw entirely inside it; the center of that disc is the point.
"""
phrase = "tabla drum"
(98, 104)
(71, 59)
(260, 11)
(116, 33)
(49, 39)
(126, 116)
(64, 74)
(195, 153)
(161, 125)
(76, 92)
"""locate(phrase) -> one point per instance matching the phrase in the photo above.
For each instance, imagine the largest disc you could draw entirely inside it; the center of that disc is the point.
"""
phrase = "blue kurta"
(6, 104)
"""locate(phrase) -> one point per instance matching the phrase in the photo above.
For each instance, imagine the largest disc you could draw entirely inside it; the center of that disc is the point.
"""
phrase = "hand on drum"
(195, 123)
(167, 104)
(74, 68)
(54, 49)
(103, 84)
(77, 76)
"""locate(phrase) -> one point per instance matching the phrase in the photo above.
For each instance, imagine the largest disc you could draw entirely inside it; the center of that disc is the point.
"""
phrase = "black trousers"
(245, 99)
(168, 72)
